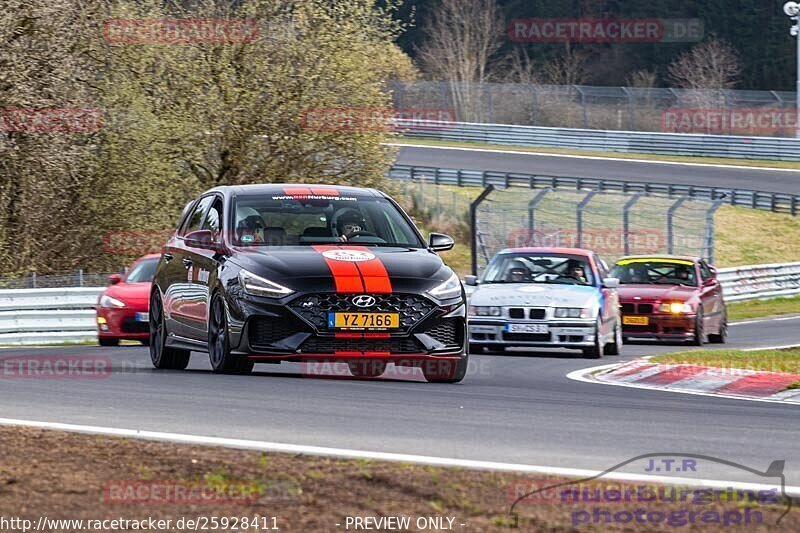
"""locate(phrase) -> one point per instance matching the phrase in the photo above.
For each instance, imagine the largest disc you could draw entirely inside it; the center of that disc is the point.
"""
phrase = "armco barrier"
(41, 316)
(760, 281)
(767, 201)
(732, 146)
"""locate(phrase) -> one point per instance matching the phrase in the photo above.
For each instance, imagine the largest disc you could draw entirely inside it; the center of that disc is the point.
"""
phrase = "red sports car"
(671, 298)
(122, 309)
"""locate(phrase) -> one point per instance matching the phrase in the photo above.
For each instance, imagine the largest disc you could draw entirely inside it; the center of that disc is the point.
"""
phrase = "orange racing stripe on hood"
(346, 275)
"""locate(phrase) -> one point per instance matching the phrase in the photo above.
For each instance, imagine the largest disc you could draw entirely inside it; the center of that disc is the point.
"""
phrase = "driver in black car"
(349, 224)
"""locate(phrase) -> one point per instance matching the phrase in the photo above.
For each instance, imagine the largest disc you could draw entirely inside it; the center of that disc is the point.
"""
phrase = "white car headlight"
(259, 286)
(676, 308)
(484, 310)
(108, 301)
(447, 290)
(573, 312)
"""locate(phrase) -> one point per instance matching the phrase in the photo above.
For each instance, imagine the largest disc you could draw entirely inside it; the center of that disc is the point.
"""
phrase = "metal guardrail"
(760, 281)
(42, 316)
(686, 144)
(767, 201)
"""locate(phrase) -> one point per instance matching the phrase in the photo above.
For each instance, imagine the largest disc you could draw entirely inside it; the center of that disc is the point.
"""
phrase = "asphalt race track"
(780, 181)
(518, 409)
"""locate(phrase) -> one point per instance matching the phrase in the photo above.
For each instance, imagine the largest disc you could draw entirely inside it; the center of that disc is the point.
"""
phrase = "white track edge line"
(382, 456)
(580, 375)
(590, 157)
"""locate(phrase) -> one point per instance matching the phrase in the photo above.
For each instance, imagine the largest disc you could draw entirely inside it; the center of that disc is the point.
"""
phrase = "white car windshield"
(546, 268)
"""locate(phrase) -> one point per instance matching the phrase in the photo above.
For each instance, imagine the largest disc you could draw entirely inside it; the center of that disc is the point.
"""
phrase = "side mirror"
(113, 279)
(439, 242)
(710, 282)
(611, 283)
(202, 238)
(471, 280)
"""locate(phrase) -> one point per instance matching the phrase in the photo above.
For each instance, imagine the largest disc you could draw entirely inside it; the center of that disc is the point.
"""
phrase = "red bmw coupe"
(671, 298)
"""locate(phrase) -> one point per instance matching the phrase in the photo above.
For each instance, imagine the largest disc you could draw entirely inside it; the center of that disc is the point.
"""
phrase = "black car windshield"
(143, 271)
(655, 273)
(534, 268)
(286, 220)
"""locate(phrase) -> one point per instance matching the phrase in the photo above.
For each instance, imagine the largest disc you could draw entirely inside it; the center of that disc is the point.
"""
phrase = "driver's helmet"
(250, 226)
(576, 269)
(349, 221)
(517, 272)
(682, 273)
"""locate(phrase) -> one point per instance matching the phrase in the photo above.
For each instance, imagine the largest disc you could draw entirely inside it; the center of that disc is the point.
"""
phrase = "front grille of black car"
(129, 325)
(263, 331)
(315, 307)
(449, 332)
(326, 345)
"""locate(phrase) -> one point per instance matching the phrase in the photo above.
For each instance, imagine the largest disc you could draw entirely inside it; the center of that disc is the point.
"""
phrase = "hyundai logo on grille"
(363, 300)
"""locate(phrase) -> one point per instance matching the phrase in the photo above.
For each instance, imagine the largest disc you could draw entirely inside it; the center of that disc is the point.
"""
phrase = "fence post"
(80, 277)
(581, 206)
(626, 221)
(583, 106)
(631, 111)
(473, 222)
(532, 208)
(670, 224)
(710, 243)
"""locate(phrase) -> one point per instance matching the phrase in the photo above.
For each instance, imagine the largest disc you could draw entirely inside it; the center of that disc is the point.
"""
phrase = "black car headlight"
(448, 290)
(258, 286)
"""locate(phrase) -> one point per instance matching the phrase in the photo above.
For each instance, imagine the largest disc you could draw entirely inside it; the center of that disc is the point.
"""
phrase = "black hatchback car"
(271, 273)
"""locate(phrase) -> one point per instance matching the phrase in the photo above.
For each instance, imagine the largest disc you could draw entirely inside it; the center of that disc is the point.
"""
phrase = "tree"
(712, 64)
(180, 117)
(462, 38)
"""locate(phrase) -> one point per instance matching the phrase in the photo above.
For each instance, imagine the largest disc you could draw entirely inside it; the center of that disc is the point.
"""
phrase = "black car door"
(202, 273)
(182, 302)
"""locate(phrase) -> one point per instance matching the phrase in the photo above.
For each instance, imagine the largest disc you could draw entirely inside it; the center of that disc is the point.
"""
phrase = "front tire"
(699, 334)
(162, 356)
(614, 348)
(219, 349)
(595, 351)
(722, 336)
(445, 371)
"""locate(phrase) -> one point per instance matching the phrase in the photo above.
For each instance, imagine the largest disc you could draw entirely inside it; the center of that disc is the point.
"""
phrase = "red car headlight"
(676, 308)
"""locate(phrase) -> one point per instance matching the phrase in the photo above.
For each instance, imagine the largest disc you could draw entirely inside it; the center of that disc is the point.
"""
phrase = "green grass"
(763, 308)
(786, 360)
(597, 153)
